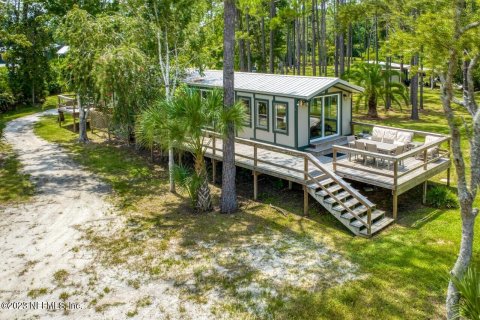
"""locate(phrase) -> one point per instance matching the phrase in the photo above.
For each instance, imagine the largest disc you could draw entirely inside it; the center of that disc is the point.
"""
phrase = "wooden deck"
(322, 177)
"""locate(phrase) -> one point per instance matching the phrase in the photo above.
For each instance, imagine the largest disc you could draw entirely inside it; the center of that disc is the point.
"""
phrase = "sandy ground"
(45, 258)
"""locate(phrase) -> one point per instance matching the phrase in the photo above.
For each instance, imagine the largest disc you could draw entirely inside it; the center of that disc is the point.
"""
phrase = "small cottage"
(286, 110)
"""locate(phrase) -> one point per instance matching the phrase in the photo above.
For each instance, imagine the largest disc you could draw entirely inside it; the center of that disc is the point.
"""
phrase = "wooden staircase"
(344, 202)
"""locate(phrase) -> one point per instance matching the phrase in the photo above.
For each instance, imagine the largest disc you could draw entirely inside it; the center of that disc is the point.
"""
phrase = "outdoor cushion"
(404, 137)
(378, 132)
(390, 134)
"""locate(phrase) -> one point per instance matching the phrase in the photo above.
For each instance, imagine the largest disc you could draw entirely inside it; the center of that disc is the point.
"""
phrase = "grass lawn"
(15, 186)
(399, 274)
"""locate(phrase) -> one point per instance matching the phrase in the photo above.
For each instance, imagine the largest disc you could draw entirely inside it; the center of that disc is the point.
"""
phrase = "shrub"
(442, 197)
(6, 95)
(469, 288)
(188, 180)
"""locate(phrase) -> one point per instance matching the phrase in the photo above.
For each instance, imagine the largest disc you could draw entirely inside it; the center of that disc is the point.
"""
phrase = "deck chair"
(359, 146)
(433, 151)
(371, 147)
(398, 151)
(350, 144)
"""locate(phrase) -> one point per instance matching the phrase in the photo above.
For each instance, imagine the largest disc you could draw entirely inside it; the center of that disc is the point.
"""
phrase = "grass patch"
(35, 293)
(14, 185)
(404, 268)
(60, 276)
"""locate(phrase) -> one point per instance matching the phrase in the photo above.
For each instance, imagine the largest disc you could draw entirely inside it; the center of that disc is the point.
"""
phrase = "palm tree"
(188, 115)
(229, 194)
(377, 86)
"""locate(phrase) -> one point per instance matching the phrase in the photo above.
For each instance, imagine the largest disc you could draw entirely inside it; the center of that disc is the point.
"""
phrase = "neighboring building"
(286, 110)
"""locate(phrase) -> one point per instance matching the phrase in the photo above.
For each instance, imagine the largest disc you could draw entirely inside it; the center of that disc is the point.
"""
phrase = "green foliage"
(6, 94)
(26, 43)
(376, 83)
(189, 181)
(442, 197)
(122, 80)
(469, 288)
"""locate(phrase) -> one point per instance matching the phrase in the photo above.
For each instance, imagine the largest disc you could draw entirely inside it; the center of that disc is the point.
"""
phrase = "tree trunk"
(414, 89)
(349, 47)
(204, 198)
(82, 121)
(388, 98)
(314, 40)
(272, 35)
(171, 165)
(466, 196)
(304, 39)
(323, 38)
(241, 43)
(229, 192)
(372, 106)
(297, 47)
(249, 52)
(264, 49)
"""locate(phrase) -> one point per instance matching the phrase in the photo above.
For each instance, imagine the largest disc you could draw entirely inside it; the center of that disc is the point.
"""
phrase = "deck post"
(305, 190)
(425, 161)
(424, 198)
(255, 185)
(214, 145)
(255, 174)
(334, 159)
(305, 201)
(214, 171)
(395, 204)
(448, 177)
(290, 185)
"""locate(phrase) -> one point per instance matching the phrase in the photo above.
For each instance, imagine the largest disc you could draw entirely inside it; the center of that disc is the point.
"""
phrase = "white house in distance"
(287, 110)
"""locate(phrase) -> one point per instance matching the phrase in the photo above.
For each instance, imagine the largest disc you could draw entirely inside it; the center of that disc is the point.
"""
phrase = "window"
(248, 111)
(281, 117)
(262, 115)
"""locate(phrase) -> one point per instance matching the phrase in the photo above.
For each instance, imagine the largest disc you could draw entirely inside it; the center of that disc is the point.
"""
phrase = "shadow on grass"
(401, 266)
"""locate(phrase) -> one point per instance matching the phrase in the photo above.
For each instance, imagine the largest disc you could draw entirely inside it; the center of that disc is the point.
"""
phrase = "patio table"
(387, 148)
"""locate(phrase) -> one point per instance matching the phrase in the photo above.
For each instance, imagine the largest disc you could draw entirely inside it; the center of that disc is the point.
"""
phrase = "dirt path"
(41, 237)
(45, 258)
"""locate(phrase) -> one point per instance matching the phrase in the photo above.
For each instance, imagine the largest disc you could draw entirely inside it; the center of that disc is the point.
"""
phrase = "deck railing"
(419, 152)
(305, 174)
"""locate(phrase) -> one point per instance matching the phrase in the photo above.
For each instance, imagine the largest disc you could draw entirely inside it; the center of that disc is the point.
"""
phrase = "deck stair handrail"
(354, 193)
(309, 161)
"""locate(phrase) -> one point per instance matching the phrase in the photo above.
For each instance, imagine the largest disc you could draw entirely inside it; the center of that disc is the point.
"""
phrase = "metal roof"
(302, 87)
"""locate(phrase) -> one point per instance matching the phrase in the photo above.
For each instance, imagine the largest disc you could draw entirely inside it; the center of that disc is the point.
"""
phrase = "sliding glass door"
(324, 116)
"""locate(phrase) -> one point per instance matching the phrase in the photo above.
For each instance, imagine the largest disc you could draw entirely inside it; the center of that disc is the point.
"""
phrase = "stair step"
(340, 196)
(359, 211)
(375, 215)
(331, 189)
(312, 184)
(377, 226)
(350, 203)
